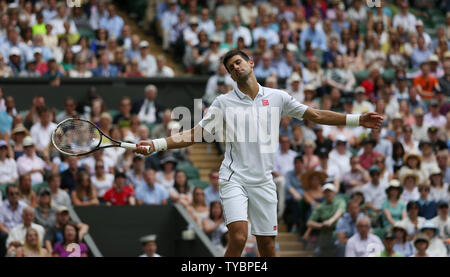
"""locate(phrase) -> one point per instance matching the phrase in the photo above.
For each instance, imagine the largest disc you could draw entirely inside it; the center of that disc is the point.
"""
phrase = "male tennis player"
(247, 189)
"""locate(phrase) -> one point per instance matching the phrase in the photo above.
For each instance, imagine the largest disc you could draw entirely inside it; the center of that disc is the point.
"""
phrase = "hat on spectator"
(44, 191)
(434, 103)
(406, 172)
(418, 112)
(369, 140)
(193, 20)
(424, 142)
(421, 237)
(310, 142)
(442, 204)
(27, 141)
(432, 129)
(399, 225)
(62, 209)
(120, 174)
(374, 168)
(169, 159)
(329, 186)
(143, 44)
(15, 51)
(447, 54)
(19, 129)
(433, 59)
(341, 138)
(215, 38)
(37, 50)
(394, 184)
(419, 22)
(398, 116)
(306, 178)
(430, 225)
(360, 90)
(389, 235)
(412, 154)
(435, 170)
(310, 87)
(295, 77)
(148, 238)
(317, 128)
(3, 143)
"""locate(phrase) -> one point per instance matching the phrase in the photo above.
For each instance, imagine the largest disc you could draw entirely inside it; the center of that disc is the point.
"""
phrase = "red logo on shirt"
(265, 102)
(274, 228)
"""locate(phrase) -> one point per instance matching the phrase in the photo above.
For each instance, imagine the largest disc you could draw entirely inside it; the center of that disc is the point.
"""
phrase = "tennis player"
(247, 189)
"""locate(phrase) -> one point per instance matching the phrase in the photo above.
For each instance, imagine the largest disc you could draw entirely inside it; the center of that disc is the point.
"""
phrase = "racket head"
(77, 137)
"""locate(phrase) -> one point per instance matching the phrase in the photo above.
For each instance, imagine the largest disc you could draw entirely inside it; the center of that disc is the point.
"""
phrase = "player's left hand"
(371, 120)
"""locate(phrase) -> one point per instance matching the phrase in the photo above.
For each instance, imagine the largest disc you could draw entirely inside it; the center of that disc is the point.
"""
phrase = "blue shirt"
(113, 25)
(110, 71)
(318, 38)
(268, 33)
(211, 195)
(261, 72)
(427, 209)
(5, 122)
(406, 250)
(418, 56)
(293, 182)
(347, 225)
(11, 218)
(153, 196)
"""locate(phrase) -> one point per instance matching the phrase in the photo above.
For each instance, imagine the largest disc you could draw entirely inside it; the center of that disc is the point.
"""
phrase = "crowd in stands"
(347, 191)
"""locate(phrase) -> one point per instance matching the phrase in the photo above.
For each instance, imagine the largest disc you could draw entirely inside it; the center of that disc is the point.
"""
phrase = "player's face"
(239, 68)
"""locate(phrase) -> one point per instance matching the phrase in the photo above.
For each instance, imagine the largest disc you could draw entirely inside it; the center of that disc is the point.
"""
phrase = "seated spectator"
(421, 243)
(8, 166)
(437, 143)
(312, 182)
(59, 197)
(346, 226)
(427, 207)
(402, 244)
(264, 68)
(113, 23)
(214, 225)
(101, 180)
(374, 191)
(442, 220)
(30, 163)
(81, 69)
(413, 222)
(394, 209)
(70, 175)
(162, 70)
(69, 110)
(54, 70)
(45, 213)
(310, 161)
(135, 176)
(425, 83)
(360, 105)
(181, 191)
(149, 246)
(433, 117)
(436, 247)
(166, 176)
(340, 76)
(389, 243)
(41, 132)
(151, 193)
(17, 235)
(148, 109)
(120, 193)
(439, 190)
(340, 156)
(104, 68)
(354, 179)
(444, 81)
(55, 233)
(17, 136)
(27, 195)
(361, 243)
(412, 164)
(420, 127)
(84, 193)
(70, 236)
(198, 210)
(147, 63)
(212, 191)
(367, 158)
(33, 244)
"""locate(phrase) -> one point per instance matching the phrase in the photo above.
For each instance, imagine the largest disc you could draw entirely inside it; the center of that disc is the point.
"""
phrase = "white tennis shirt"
(251, 131)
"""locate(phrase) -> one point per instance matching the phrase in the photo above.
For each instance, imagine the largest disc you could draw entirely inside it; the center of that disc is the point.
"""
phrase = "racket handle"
(132, 146)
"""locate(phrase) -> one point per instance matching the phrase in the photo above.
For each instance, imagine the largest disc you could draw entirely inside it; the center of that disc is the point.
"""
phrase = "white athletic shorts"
(258, 203)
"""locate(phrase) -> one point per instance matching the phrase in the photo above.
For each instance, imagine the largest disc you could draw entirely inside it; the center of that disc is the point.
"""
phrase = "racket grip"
(132, 146)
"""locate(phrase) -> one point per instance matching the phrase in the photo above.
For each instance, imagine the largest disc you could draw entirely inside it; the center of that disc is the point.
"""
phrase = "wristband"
(160, 144)
(352, 119)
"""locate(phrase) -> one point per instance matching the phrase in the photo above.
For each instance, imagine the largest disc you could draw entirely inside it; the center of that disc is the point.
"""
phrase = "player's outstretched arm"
(368, 120)
(180, 140)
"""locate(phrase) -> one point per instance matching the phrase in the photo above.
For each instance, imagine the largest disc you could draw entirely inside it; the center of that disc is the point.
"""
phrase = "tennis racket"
(79, 137)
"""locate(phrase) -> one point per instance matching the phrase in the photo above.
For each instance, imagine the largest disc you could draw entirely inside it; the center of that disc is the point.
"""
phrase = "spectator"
(17, 136)
(354, 179)
(312, 182)
(340, 156)
(374, 191)
(346, 226)
(45, 212)
(212, 86)
(389, 243)
(149, 246)
(421, 243)
(314, 34)
(151, 193)
(412, 162)
(59, 19)
(27, 195)
(17, 235)
(41, 131)
(368, 157)
(84, 193)
(226, 11)
(59, 197)
(113, 23)
(148, 109)
(405, 18)
(264, 69)
(420, 54)
(122, 119)
(214, 225)
(436, 247)
(33, 244)
(8, 166)
(437, 143)
(162, 70)
(166, 176)
(70, 236)
(181, 191)
(198, 210)
(439, 189)
(409, 179)
(427, 207)
(442, 157)
(70, 175)
(433, 117)
(310, 160)
(294, 194)
(135, 176)
(55, 233)
(69, 110)
(212, 191)
(394, 209)
(120, 193)
(101, 180)
(81, 69)
(444, 81)
(105, 69)
(363, 241)
(402, 244)
(442, 220)
(30, 163)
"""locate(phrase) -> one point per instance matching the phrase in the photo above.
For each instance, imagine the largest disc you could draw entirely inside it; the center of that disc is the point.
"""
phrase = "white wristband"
(352, 119)
(160, 144)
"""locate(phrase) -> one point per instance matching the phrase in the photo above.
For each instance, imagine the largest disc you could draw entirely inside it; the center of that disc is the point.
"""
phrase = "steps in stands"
(290, 246)
(205, 157)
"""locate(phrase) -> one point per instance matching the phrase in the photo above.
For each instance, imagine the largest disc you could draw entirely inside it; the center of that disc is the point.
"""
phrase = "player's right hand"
(142, 147)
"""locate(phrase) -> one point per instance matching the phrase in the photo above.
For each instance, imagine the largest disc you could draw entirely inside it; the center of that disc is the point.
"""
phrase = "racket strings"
(76, 137)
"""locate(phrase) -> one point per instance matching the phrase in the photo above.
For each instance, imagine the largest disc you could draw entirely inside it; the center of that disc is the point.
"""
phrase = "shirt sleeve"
(315, 214)
(291, 107)
(213, 118)
(350, 249)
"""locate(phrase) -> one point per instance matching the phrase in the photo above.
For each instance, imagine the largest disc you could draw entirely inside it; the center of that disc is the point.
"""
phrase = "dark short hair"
(10, 186)
(233, 53)
(412, 204)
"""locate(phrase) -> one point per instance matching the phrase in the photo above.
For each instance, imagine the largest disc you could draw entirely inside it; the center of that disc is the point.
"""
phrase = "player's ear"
(252, 64)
